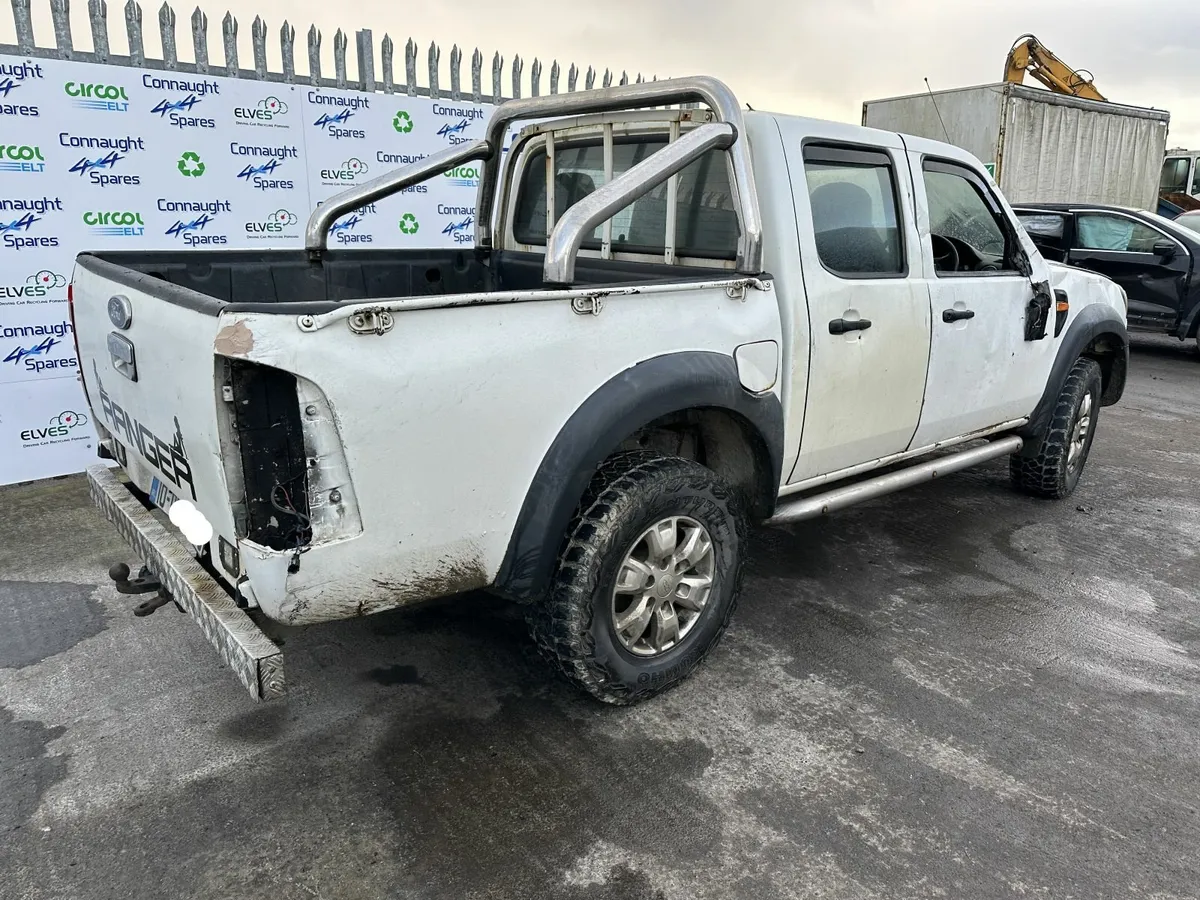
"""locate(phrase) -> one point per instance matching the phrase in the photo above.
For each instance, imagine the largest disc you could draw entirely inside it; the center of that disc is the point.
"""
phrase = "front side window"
(706, 222)
(854, 211)
(1098, 231)
(964, 222)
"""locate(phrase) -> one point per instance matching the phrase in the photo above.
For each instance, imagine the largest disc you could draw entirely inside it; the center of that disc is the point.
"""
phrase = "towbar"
(316, 232)
(700, 88)
(563, 244)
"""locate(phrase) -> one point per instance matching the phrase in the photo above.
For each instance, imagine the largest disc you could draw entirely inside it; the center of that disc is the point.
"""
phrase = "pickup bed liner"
(244, 280)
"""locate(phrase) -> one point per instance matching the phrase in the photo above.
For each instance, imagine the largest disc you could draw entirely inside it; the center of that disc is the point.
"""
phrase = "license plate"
(161, 495)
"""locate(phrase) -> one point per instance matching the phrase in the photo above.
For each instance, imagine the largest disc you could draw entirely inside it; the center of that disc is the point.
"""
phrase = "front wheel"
(1054, 472)
(648, 580)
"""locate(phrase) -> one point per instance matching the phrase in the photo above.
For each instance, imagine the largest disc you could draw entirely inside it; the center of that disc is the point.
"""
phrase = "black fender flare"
(1093, 322)
(630, 400)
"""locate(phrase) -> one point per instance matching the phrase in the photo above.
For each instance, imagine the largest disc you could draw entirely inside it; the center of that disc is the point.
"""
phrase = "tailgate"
(149, 371)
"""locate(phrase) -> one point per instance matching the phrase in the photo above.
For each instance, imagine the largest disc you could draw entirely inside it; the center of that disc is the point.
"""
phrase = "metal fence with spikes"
(364, 42)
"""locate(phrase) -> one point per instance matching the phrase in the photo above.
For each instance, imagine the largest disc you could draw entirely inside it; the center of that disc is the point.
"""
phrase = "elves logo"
(36, 287)
(275, 225)
(59, 427)
(22, 158)
(349, 171)
(265, 112)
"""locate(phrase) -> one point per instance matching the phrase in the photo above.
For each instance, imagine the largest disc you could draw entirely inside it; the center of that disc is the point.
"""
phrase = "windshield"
(1190, 221)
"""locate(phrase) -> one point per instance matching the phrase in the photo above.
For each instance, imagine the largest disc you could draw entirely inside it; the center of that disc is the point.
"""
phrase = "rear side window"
(706, 223)
(1102, 232)
(1049, 227)
(852, 193)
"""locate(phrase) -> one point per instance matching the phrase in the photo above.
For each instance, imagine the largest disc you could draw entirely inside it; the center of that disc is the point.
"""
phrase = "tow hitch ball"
(143, 584)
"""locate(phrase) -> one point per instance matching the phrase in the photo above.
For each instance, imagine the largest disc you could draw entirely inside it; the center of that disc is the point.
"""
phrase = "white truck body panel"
(423, 435)
(1044, 147)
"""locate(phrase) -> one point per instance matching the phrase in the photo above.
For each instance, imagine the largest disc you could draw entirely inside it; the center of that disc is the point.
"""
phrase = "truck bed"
(287, 281)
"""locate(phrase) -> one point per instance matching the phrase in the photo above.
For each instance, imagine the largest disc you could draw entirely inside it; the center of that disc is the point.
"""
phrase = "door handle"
(953, 315)
(841, 326)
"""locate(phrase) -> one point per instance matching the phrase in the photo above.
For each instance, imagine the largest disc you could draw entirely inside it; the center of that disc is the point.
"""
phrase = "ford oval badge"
(120, 313)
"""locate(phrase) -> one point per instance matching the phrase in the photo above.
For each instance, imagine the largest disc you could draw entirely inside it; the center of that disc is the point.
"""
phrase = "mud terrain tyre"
(1054, 472)
(647, 580)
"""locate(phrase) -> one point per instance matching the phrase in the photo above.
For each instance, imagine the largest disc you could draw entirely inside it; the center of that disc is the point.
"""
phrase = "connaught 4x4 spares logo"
(25, 222)
(42, 348)
(338, 116)
(106, 161)
(263, 171)
(354, 228)
(196, 222)
(12, 100)
(179, 108)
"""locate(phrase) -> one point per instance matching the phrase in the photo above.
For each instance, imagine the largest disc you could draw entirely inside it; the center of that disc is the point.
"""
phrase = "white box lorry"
(674, 322)
(1041, 147)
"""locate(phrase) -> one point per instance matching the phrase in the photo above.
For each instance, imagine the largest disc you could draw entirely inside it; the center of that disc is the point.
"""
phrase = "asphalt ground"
(951, 692)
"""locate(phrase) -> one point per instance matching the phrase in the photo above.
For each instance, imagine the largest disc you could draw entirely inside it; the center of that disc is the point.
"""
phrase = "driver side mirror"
(1165, 249)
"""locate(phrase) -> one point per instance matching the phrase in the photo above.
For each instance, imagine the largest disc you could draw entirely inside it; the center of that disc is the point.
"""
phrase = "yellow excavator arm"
(1028, 54)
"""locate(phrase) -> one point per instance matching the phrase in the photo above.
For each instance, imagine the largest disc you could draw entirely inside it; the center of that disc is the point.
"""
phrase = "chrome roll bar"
(563, 244)
(696, 89)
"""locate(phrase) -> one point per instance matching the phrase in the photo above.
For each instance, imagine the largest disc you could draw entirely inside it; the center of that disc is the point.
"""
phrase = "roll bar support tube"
(316, 232)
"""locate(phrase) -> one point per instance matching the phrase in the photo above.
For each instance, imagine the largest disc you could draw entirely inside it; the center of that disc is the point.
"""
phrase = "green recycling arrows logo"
(190, 165)
(409, 224)
(402, 122)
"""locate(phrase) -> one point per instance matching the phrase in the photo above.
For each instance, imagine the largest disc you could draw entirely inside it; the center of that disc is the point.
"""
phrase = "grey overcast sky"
(807, 57)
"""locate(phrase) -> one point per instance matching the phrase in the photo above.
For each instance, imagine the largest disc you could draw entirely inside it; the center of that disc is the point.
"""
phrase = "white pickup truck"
(677, 318)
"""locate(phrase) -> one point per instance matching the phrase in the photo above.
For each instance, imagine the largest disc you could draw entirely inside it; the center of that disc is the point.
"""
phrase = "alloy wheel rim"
(1079, 434)
(663, 585)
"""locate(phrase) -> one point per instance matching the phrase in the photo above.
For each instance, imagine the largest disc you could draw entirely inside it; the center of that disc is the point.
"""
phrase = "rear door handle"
(953, 315)
(841, 326)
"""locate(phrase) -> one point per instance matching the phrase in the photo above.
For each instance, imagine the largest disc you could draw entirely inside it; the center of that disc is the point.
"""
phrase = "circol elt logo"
(23, 158)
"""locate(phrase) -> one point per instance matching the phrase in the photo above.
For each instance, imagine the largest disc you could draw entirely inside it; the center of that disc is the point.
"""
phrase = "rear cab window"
(855, 211)
(705, 213)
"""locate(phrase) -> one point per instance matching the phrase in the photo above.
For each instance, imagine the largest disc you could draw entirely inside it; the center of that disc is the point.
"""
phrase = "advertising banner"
(96, 157)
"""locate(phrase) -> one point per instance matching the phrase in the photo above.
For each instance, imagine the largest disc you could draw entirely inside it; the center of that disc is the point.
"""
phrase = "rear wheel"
(648, 580)
(1054, 472)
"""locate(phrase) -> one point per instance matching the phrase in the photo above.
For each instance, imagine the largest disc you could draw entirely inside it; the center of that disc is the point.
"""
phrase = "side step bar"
(816, 505)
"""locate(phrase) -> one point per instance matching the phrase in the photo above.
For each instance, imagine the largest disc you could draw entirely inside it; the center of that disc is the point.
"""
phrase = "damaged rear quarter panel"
(445, 419)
